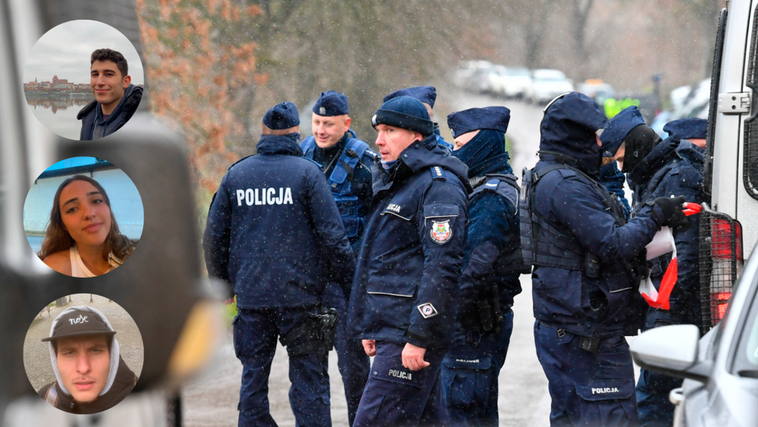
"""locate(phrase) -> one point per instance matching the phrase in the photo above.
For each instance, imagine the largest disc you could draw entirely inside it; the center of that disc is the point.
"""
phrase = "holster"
(314, 335)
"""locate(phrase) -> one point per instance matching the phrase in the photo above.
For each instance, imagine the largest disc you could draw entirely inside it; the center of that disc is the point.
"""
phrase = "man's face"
(107, 84)
(619, 156)
(83, 364)
(464, 139)
(392, 141)
(328, 130)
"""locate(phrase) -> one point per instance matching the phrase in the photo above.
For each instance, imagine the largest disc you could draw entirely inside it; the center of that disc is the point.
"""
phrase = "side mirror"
(671, 350)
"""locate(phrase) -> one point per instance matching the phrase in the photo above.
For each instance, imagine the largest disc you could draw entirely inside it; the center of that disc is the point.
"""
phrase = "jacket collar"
(279, 144)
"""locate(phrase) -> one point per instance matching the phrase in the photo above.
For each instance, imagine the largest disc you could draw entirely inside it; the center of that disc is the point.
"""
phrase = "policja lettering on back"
(266, 196)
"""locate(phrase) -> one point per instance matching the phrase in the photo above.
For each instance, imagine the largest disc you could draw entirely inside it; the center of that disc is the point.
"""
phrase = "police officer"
(492, 266)
(585, 276)
(348, 164)
(274, 235)
(674, 167)
(403, 304)
(427, 95)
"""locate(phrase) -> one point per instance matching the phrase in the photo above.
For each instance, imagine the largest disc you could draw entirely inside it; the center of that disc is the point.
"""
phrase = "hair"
(265, 130)
(106, 54)
(58, 239)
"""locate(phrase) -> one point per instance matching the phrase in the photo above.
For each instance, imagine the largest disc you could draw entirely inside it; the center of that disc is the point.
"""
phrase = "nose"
(379, 138)
(88, 212)
(83, 364)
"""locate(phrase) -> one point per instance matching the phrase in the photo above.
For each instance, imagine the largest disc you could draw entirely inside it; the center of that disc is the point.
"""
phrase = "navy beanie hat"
(687, 128)
(493, 118)
(282, 116)
(619, 127)
(426, 94)
(331, 103)
(404, 112)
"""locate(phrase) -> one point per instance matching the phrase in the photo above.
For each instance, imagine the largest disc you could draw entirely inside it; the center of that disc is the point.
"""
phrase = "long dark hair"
(58, 239)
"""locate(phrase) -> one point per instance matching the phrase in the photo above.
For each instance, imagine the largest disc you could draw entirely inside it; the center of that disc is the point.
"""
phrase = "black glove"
(673, 215)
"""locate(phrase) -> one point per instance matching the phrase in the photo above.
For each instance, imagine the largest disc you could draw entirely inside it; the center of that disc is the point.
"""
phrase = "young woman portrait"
(82, 237)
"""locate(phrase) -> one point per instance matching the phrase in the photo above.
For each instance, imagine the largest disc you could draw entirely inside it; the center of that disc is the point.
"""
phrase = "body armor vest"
(351, 208)
(506, 186)
(542, 244)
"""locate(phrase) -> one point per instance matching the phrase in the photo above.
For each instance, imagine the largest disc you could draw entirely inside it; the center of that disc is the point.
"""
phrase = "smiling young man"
(116, 99)
(348, 164)
(90, 374)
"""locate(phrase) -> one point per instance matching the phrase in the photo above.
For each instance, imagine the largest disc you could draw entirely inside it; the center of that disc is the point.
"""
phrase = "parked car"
(510, 82)
(597, 90)
(547, 84)
(462, 76)
(720, 370)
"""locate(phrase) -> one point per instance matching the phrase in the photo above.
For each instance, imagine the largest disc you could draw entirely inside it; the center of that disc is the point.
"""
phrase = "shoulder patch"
(427, 310)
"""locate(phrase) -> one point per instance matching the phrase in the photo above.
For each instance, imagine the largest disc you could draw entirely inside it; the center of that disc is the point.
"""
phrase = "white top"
(78, 269)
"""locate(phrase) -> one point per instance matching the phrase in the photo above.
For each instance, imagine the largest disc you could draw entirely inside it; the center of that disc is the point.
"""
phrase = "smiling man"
(116, 99)
(90, 374)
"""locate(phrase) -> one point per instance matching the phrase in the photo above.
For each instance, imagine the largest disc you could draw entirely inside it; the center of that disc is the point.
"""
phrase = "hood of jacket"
(279, 144)
(568, 132)
(691, 153)
(661, 154)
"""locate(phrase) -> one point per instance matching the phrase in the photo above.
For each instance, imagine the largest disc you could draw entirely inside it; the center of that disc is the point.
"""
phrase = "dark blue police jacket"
(120, 115)
(408, 267)
(675, 169)
(493, 248)
(274, 232)
(572, 203)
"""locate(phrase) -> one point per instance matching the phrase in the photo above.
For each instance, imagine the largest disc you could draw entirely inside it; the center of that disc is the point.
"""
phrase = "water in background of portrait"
(57, 72)
(37, 355)
(126, 202)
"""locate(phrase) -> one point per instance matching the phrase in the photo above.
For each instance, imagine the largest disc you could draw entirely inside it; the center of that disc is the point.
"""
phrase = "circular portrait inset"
(83, 353)
(83, 80)
(83, 217)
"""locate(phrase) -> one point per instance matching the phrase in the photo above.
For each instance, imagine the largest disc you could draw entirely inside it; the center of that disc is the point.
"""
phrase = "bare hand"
(413, 357)
(229, 300)
(369, 346)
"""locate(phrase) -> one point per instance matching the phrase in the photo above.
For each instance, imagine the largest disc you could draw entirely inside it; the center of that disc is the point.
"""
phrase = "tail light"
(720, 263)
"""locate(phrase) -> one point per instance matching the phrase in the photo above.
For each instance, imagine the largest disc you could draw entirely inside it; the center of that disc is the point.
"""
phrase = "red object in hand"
(667, 285)
(691, 209)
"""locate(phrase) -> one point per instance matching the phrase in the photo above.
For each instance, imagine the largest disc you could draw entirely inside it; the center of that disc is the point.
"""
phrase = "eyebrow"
(76, 198)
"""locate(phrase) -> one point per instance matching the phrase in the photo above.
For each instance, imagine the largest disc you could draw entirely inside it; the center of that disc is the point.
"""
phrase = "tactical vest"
(351, 208)
(542, 244)
(506, 186)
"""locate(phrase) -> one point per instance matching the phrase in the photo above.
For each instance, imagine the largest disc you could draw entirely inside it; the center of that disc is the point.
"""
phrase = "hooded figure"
(90, 374)
(587, 261)
(491, 268)
(673, 168)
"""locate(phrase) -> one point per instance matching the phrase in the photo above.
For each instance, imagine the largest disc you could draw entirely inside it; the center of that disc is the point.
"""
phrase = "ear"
(127, 81)
(348, 120)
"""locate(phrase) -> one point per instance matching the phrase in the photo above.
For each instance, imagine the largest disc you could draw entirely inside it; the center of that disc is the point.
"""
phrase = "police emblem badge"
(427, 310)
(322, 110)
(441, 231)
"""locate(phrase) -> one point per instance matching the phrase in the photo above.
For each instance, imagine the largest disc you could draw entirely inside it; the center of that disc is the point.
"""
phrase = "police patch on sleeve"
(441, 231)
(427, 310)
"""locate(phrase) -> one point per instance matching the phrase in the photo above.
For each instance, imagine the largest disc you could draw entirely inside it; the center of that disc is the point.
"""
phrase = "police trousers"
(398, 397)
(255, 335)
(470, 373)
(587, 389)
(352, 361)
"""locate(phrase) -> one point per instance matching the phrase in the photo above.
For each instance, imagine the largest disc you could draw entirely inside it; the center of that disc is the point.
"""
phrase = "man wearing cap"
(492, 265)
(275, 237)
(427, 95)
(673, 168)
(403, 304)
(586, 261)
(90, 374)
(348, 164)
